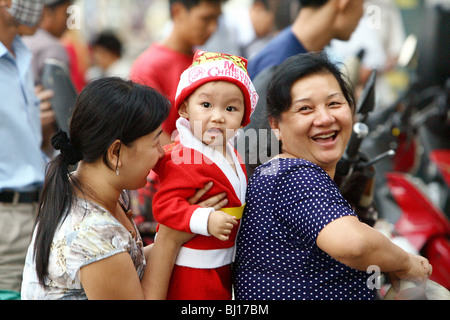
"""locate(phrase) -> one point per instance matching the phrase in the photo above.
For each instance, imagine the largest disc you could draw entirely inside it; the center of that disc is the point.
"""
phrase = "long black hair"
(106, 110)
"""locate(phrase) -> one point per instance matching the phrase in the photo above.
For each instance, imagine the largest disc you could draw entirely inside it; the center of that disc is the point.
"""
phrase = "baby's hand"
(220, 225)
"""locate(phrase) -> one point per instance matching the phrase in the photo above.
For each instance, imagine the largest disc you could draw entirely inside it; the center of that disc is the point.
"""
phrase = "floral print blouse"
(88, 234)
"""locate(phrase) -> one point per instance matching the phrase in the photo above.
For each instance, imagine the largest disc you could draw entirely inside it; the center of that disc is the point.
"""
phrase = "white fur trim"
(199, 221)
(204, 259)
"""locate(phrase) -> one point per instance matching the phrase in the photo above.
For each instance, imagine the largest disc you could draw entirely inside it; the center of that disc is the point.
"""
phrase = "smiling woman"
(299, 238)
(316, 107)
(318, 125)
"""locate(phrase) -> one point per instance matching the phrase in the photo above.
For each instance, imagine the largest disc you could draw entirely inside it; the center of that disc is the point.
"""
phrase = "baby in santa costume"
(215, 98)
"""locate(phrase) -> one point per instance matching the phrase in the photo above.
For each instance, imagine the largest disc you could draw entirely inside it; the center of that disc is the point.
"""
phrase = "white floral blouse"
(88, 234)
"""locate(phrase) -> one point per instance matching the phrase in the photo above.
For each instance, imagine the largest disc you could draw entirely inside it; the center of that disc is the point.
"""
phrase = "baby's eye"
(231, 109)
(206, 104)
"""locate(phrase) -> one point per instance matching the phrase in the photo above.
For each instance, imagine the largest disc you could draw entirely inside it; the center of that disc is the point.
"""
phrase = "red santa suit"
(203, 266)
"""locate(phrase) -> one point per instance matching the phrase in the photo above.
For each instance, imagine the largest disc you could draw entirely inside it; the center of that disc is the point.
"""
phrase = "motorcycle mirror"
(366, 102)
(408, 51)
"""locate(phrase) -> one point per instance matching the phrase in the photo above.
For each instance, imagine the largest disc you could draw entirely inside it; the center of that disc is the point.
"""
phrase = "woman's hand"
(217, 202)
(419, 270)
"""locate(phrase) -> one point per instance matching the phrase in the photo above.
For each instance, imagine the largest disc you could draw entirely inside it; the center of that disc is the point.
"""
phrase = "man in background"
(317, 23)
(107, 57)
(45, 43)
(161, 65)
(245, 32)
(23, 115)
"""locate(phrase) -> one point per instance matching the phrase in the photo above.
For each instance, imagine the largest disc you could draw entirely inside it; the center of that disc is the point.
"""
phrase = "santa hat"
(212, 66)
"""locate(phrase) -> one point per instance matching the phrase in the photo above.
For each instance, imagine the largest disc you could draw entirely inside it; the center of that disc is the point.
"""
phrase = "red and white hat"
(212, 66)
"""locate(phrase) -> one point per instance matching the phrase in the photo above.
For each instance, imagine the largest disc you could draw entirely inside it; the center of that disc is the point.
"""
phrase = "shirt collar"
(3, 49)
(22, 58)
(19, 47)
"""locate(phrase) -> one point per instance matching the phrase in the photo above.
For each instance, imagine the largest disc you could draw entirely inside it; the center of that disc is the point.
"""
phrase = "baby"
(215, 98)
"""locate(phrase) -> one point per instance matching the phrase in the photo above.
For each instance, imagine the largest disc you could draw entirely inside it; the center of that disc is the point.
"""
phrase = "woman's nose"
(324, 117)
(161, 151)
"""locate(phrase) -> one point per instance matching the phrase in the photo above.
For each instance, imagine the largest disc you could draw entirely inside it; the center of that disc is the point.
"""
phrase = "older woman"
(299, 238)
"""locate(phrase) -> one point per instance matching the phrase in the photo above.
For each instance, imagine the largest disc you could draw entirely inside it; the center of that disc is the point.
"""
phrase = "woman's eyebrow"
(335, 94)
(309, 99)
(302, 100)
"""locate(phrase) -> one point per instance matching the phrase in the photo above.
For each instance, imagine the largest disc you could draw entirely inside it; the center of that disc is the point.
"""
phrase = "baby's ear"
(182, 110)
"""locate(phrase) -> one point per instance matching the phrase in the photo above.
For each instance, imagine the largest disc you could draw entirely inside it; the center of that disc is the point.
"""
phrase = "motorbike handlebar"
(360, 131)
(351, 154)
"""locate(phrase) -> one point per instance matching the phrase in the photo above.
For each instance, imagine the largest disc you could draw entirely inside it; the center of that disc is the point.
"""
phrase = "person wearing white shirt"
(22, 162)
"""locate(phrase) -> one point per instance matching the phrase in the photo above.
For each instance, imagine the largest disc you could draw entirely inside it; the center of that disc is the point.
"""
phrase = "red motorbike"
(412, 189)
(399, 196)
(423, 222)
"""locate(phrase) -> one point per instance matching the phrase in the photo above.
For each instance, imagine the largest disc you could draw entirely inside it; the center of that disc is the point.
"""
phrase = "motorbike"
(421, 220)
(384, 176)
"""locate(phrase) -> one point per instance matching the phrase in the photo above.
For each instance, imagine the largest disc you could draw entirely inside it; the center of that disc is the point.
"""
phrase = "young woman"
(85, 244)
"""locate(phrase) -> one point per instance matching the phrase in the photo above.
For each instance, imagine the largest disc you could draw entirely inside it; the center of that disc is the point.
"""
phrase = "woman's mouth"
(325, 137)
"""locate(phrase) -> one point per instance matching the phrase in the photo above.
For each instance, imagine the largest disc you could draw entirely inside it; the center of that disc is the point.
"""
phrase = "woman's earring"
(118, 154)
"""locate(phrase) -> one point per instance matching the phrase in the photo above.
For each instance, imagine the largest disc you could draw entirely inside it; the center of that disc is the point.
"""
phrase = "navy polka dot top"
(289, 201)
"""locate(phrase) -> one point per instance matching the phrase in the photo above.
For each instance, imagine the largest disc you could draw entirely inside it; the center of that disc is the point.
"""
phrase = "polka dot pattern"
(289, 201)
